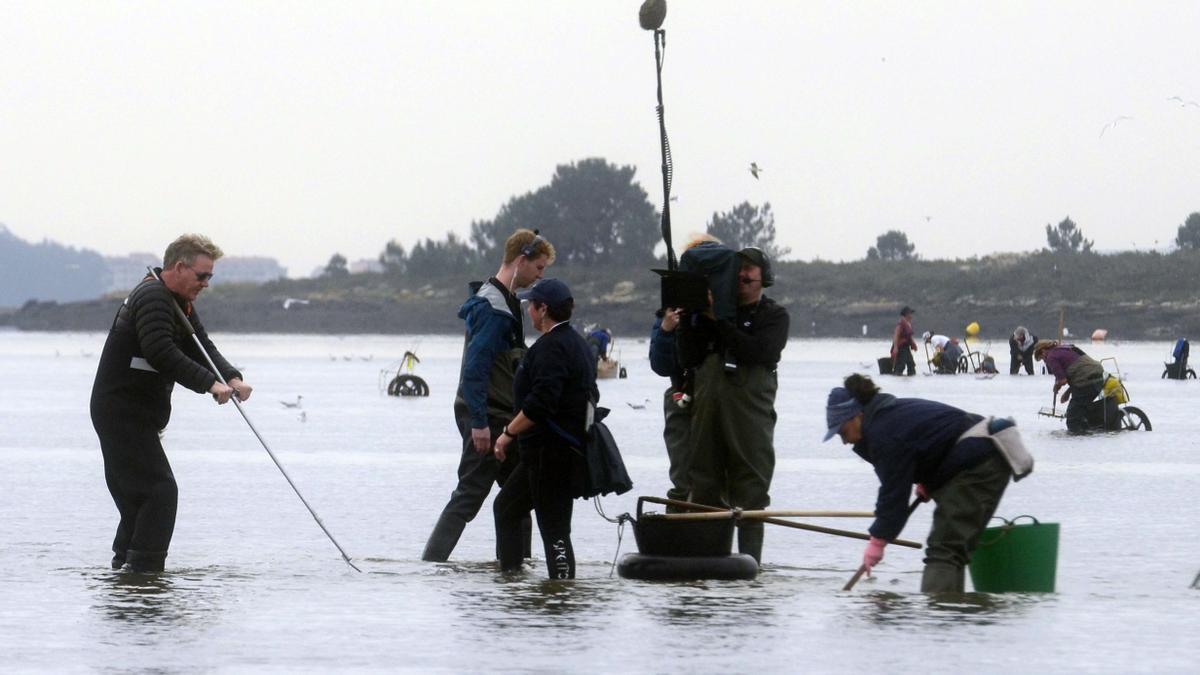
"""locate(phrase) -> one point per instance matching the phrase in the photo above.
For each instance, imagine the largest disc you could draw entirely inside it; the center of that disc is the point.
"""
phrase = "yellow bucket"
(1115, 390)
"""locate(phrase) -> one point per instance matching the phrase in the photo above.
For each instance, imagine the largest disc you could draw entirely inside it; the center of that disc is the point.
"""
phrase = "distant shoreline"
(1134, 296)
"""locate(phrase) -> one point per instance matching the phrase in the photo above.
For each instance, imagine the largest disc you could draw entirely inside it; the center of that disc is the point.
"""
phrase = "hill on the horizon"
(47, 271)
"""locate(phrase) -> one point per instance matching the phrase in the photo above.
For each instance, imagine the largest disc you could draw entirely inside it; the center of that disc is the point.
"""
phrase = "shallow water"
(253, 584)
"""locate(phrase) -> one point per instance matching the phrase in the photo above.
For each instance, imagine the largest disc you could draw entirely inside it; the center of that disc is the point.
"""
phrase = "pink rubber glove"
(874, 553)
(922, 492)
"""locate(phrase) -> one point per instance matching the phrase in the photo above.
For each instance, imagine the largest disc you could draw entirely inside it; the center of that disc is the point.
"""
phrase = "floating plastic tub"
(1016, 558)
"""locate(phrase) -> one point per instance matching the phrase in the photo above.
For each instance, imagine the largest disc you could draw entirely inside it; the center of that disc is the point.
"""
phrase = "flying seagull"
(638, 406)
(1113, 124)
(293, 301)
(289, 404)
(754, 170)
(1183, 103)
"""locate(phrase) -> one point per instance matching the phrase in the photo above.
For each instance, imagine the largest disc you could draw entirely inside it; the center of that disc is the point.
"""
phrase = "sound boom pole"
(650, 17)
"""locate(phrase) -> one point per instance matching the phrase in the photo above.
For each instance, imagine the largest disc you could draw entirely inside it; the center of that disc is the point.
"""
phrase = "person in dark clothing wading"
(1020, 350)
(732, 454)
(677, 416)
(148, 350)
(960, 460)
(554, 388)
(492, 349)
(903, 344)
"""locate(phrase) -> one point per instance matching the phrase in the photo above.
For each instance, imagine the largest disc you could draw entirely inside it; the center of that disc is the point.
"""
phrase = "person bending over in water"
(960, 460)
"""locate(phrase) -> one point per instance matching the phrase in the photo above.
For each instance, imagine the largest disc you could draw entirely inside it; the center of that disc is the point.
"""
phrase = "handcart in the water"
(1110, 410)
(404, 382)
(1177, 368)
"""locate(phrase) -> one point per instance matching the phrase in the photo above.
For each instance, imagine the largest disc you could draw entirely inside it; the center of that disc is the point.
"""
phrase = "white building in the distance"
(125, 271)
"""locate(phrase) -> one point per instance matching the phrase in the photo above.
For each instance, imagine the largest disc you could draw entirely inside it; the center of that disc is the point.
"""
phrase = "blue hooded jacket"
(909, 441)
(495, 343)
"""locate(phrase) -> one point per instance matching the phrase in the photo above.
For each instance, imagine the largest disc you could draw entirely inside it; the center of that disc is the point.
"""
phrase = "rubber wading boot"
(444, 538)
(750, 541)
(526, 539)
(527, 536)
(942, 577)
(145, 561)
(118, 559)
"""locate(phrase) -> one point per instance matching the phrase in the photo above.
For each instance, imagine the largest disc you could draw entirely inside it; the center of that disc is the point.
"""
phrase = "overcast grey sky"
(296, 129)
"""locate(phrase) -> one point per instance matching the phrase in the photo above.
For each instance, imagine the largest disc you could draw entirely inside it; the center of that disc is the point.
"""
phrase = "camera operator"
(733, 407)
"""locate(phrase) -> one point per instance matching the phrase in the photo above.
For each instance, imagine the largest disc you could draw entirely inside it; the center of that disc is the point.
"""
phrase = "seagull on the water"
(303, 416)
(754, 170)
(1113, 124)
(289, 404)
(293, 301)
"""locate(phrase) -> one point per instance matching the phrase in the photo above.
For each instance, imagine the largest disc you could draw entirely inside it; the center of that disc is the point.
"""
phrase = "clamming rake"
(727, 513)
(862, 569)
(238, 405)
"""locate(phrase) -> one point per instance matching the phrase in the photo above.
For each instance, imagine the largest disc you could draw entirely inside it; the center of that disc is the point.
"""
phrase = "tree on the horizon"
(434, 258)
(1188, 236)
(336, 267)
(892, 245)
(1067, 238)
(593, 212)
(747, 225)
(394, 258)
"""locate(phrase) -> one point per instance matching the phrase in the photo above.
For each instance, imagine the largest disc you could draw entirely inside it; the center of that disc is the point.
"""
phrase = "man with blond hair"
(483, 406)
(148, 350)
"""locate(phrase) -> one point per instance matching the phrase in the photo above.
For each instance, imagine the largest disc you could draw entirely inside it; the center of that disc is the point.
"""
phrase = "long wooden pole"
(862, 569)
(779, 521)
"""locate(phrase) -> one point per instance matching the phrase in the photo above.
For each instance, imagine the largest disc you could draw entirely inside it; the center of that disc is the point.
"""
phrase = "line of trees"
(594, 212)
(1066, 237)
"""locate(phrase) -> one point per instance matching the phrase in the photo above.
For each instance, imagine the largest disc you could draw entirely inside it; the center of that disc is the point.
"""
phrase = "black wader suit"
(493, 347)
(912, 440)
(677, 418)
(147, 351)
(733, 410)
(553, 386)
(1020, 357)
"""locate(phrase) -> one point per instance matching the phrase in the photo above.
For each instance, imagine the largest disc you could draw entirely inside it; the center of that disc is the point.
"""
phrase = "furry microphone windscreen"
(652, 14)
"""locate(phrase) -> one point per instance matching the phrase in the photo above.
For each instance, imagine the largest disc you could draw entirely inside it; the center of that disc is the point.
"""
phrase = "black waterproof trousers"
(904, 362)
(1080, 405)
(677, 422)
(965, 505)
(476, 474)
(1019, 358)
(142, 485)
(733, 443)
(541, 482)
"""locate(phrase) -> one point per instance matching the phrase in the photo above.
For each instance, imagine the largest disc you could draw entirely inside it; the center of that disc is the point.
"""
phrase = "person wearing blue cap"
(960, 460)
(494, 346)
(554, 387)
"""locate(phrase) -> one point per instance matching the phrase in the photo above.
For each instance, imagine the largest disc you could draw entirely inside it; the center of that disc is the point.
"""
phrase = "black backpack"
(598, 468)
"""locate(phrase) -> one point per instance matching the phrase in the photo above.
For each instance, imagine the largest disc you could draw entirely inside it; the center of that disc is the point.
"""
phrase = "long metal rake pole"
(238, 405)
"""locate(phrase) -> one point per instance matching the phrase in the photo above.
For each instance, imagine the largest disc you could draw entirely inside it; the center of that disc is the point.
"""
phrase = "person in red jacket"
(903, 344)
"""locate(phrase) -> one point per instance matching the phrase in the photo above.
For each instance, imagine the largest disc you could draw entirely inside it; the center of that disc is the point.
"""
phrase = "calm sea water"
(253, 584)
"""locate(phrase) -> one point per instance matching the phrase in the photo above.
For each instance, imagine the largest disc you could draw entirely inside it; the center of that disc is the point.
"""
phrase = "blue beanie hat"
(840, 408)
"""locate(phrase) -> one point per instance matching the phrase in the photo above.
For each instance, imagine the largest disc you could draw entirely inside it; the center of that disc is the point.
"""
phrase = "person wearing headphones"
(483, 406)
(733, 409)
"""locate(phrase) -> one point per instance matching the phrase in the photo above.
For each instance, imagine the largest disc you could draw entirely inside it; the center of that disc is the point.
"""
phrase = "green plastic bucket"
(1016, 558)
